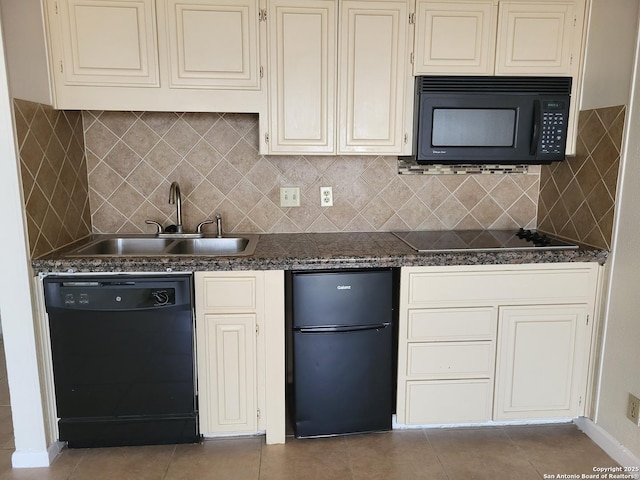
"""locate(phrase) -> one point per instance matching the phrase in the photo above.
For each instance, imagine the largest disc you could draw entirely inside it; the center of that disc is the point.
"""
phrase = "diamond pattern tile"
(54, 175)
(214, 157)
(577, 197)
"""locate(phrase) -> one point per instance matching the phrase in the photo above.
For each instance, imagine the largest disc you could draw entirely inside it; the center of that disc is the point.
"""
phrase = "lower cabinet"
(227, 373)
(450, 362)
(494, 343)
(543, 361)
(240, 352)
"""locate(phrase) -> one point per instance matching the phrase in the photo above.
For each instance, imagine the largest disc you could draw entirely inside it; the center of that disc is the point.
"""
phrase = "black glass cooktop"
(480, 240)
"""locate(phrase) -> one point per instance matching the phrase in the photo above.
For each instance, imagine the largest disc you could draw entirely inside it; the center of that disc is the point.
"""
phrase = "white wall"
(609, 55)
(620, 374)
(15, 300)
(25, 51)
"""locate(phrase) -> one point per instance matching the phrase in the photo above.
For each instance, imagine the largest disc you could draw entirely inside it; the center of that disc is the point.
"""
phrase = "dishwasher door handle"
(339, 329)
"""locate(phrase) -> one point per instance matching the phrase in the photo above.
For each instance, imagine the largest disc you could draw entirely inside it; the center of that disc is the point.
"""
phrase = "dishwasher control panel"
(113, 294)
(117, 298)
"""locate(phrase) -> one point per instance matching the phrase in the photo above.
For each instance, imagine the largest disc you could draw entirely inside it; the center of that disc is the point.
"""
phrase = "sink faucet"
(176, 198)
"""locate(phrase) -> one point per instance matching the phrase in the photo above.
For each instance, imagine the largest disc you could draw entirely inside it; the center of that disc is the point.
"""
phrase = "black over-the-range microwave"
(498, 120)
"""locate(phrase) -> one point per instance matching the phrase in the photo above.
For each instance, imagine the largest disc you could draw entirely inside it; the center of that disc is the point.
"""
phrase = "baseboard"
(42, 458)
(607, 443)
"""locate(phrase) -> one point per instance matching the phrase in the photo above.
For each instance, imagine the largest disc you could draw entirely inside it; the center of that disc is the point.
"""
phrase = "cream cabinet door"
(373, 77)
(107, 42)
(302, 64)
(213, 43)
(455, 37)
(227, 372)
(542, 362)
(539, 38)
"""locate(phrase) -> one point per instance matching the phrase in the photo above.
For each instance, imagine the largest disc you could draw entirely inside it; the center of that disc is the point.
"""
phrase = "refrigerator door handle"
(336, 329)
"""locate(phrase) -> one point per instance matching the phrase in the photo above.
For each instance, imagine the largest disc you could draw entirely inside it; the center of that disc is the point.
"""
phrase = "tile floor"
(495, 453)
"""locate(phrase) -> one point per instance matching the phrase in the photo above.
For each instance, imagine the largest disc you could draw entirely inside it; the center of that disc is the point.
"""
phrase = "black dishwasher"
(123, 359)
(343, 351)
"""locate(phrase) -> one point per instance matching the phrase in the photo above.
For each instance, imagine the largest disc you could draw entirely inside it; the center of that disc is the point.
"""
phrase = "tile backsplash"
(577, 196)
(107, 172)
(132, 158)
(54, 175)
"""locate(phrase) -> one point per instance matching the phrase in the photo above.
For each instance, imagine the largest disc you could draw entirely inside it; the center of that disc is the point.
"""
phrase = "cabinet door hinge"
(406, 138)
(580, 402)
(412, 18)
(61, 67)
(262, 15)
(266, 138)
(257, 329)
(55, 8)
(258, 413)
(411, 58)
(261, 71)
(571, 59)
(587, 319)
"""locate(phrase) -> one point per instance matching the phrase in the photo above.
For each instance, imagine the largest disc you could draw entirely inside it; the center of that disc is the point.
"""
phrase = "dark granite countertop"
(304, 251)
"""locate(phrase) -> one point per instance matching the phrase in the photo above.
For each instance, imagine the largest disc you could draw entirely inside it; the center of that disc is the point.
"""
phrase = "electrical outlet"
(289, 196)
(326, 197)
(633, 408)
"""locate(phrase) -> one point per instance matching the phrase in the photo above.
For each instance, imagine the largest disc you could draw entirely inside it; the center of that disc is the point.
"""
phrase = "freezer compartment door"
(342, 382)
(342, 298)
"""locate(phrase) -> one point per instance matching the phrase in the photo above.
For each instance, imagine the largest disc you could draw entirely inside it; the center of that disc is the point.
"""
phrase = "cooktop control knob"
(538, 239)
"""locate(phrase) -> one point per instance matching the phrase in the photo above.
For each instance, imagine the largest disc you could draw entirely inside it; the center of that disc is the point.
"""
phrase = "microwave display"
(478, 127)
(501, 120)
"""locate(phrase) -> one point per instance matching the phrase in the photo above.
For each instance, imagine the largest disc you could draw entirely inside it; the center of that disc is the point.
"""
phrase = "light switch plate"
(289, 196)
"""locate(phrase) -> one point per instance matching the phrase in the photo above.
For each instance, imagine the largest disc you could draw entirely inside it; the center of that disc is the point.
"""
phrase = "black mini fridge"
(343, 351)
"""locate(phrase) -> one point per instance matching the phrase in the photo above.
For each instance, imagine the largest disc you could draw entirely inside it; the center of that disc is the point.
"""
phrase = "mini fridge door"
(343, 382)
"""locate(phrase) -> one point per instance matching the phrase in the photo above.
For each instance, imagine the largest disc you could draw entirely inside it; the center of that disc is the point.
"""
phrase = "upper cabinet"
(373, 72)
(499, 37)
(302, 76)
(503, 37)
(539, 38)
(107, 42)
(455, 37)
(340, 79)
(213, 43)
(156, 55)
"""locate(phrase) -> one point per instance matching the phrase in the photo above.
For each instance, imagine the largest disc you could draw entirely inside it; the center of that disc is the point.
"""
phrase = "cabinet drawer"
(452, 324)
(480, 288)
(229, 293)
(451, 360)
(448, 401)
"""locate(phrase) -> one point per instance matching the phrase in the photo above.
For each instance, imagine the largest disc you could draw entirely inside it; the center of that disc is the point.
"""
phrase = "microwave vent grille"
(493, 85)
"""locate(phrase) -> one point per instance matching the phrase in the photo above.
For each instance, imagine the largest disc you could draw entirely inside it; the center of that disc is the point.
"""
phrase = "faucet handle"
(201, 224)
(158, 226)
(219, 224)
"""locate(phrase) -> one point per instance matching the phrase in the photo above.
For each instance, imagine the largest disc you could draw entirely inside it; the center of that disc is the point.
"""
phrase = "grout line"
(524, 452)
(440, 462)
(166, 470)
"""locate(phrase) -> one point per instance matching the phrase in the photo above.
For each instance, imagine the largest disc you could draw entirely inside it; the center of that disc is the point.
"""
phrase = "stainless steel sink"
(156, 246)
(210, 246)
(126, 246)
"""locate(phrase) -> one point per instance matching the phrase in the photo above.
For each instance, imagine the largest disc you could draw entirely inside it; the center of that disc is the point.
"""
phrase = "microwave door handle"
(533, 150)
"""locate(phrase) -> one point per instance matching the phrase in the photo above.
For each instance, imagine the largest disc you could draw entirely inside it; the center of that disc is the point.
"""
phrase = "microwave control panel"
(553, 123)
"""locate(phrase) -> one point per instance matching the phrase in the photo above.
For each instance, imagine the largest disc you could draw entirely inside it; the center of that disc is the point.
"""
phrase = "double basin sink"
(158, 246)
